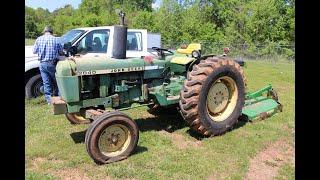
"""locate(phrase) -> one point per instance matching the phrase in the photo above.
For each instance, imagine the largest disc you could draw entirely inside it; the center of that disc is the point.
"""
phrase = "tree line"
(250, 22)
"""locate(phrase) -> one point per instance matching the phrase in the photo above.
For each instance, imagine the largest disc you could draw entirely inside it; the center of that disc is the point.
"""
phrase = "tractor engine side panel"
(126, 85)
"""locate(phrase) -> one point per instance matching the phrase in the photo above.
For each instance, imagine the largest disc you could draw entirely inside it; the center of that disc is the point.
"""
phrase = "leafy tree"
(30, 27)
(92, 20)
(144, 20)
(245, 23)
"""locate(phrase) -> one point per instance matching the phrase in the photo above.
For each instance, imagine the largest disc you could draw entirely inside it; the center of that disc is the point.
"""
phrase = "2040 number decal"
(83, 73)
(107, 71)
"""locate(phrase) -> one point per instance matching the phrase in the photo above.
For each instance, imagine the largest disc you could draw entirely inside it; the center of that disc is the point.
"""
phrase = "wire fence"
(270, 51)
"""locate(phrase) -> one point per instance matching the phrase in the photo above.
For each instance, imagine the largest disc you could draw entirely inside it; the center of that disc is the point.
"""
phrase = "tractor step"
(59, 105)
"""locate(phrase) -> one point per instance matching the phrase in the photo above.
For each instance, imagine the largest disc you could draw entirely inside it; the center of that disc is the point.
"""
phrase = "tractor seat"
(181, 60)
(191, 47)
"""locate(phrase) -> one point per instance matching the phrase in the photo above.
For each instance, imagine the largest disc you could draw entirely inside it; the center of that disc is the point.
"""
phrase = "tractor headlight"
(195, 54)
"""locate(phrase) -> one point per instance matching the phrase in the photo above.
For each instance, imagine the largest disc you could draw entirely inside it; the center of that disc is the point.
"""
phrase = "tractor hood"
(98, 65)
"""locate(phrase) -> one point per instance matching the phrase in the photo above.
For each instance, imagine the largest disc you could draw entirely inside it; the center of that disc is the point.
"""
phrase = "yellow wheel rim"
(79, 117)
(114, 140)
(222, 99)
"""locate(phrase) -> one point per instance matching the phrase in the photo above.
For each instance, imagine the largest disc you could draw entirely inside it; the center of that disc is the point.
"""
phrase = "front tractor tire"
(111, 137)
(77, 118)
(213, 95)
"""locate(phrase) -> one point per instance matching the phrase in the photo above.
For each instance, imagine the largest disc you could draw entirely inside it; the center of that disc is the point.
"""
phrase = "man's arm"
(59, 46)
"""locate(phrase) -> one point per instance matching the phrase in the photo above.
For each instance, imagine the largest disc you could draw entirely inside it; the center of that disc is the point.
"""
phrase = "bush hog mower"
(208, 90)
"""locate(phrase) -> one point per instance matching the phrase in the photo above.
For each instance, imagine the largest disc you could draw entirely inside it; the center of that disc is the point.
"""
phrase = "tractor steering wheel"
(161, 51)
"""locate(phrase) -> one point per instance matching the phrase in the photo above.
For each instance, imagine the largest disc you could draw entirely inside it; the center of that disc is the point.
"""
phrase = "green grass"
(29, 42)
(54, 146)
(286, 172)
(35, 176)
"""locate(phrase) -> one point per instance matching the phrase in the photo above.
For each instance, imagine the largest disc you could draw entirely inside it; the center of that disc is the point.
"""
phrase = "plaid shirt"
(47, 47)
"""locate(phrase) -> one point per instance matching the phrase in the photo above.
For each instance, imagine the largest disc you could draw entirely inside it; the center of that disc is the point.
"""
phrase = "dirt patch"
(64, 174)
(68, 174)
(72, 174)
(213, 177)
(265, 164)
(180, 141)
(36, 162)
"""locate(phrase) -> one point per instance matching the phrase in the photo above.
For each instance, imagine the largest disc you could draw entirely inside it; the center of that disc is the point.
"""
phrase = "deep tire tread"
(189, 95)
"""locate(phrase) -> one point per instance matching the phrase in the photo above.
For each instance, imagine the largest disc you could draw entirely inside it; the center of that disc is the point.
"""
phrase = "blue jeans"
(47, 71)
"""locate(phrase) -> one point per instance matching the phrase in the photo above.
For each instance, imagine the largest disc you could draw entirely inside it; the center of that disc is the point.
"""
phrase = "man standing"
(48, 49)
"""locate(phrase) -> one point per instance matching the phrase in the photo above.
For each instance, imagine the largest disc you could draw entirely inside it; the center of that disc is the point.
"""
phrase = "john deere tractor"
(208, 90)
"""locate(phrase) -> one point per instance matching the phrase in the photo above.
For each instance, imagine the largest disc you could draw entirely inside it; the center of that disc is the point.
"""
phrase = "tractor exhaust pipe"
(120, 38)
(121, 14)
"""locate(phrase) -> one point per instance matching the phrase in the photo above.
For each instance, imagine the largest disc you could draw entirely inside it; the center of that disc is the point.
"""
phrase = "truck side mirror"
(73, 50)
(69, 49)
(66, 46)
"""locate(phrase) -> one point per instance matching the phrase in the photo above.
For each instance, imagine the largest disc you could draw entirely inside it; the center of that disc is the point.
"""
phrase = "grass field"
(166, 149)
(29, 42)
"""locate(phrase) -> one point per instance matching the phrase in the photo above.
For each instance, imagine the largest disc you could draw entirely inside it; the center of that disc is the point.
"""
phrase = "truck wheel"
(213, 95)
(76, 118)
(111, 137)
(34, 87)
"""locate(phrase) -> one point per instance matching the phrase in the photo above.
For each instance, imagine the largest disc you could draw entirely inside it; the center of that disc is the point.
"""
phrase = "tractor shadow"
(242, 121)
(78, 137)
(139, 149)
(170, 120)
(167, 119)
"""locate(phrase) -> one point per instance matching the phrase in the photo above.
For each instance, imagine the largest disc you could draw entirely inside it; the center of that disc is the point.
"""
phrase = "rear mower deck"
(261, 104)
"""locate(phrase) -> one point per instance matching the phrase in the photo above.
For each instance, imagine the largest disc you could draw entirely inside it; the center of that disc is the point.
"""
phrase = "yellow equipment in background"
(191, 47)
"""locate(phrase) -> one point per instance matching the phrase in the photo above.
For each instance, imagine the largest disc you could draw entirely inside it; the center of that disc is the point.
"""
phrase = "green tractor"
(208, 90)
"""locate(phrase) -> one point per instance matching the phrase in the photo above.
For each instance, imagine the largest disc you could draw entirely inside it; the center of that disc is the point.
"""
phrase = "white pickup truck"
(139, 43)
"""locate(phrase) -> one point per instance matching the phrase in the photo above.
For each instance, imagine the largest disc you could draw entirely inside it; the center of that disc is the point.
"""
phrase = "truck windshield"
(70, 36)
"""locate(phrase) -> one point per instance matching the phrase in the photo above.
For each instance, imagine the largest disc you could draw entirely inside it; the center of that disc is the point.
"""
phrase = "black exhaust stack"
(120, 38)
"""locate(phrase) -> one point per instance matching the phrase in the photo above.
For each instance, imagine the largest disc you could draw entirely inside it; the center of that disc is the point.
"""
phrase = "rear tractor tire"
(213, 95)
(111, 137)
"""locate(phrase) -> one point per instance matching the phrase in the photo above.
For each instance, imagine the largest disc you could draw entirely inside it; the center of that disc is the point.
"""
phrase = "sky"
(51, 5)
